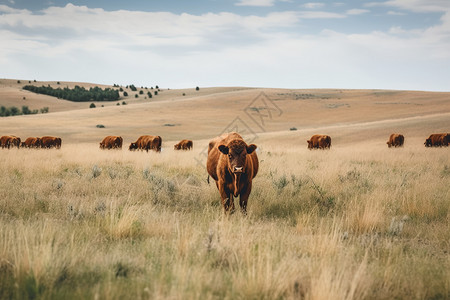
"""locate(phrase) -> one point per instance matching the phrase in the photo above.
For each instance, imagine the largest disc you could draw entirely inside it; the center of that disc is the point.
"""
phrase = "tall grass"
(348, 223)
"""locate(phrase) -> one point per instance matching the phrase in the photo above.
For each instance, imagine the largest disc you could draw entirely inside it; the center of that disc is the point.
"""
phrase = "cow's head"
(236, 152)
(133, 146)
(176, 147)
(309, 144)
(427, 143)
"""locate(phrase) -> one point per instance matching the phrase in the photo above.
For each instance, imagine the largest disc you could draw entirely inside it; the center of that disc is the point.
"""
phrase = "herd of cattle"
(231, 162)
(10, 141)
(150, 142)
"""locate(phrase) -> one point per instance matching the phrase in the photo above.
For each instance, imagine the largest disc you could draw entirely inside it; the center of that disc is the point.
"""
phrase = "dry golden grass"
(359, 221)
(349, 223)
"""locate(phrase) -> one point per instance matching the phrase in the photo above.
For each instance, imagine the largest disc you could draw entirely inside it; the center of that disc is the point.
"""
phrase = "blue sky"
(387, 44)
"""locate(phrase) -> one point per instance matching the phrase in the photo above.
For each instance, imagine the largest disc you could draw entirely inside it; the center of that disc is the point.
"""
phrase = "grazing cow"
(319, 141)
(183, 145)
(396, 140)
(8, 141)
(50, 142)
(111, 142)
(232, 164)
(32, 142)
(147, 142)
(437, 140)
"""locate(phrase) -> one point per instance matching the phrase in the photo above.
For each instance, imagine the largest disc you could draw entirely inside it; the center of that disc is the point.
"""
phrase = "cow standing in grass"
(50, 142)
(319, 141)
(8, 141)
(147, 142)
(183, 145)
(396, 140)
(232, 164)
(32, 142)
(438, 140)
(111, 142)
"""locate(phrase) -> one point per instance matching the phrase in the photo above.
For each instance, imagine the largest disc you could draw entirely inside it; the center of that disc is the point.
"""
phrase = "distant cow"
(8, 141)
(396, 140)
(183, 145)
(32, 142)
(50, 142)
(147, 142)
(437, 140)
(232, 164)
(111, 142)
(319, 141)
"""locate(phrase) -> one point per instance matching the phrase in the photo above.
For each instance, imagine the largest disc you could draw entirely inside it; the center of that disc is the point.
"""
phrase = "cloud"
(265, 3)
(357, 11)
(320, 15)
(416, 5)
(313, 5)
(180, 50)
(395, 13)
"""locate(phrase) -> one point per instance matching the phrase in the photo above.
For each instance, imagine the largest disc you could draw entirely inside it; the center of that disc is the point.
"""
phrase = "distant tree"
(197, 88)
(124, 103)
(149, 94)
(133, 88)
(58, 83)
(156, 93)
(141, 92)
(118, 103)
(18, 81)
(121, 89)
(125, 94)
(44, 110)
(92, 105)
(156, 87)
(184, 94)
(26, 110)
(136, 96)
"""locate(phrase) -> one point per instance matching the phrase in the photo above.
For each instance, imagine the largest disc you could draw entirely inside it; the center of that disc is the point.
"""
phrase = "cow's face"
(133, 146)
(309, 144)
(237, 151)
(427, 143)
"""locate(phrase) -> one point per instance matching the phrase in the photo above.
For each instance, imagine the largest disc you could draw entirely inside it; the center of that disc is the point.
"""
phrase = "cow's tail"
(207, 179)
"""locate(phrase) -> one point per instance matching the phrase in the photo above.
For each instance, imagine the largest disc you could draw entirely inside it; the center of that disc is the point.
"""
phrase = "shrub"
(92, 105)
(197, 88)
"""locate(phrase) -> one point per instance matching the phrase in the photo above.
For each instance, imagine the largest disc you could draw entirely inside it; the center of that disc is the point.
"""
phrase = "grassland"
(350, 223)
(359, 221)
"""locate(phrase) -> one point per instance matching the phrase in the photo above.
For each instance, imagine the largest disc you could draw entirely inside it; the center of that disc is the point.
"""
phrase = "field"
(358, 221)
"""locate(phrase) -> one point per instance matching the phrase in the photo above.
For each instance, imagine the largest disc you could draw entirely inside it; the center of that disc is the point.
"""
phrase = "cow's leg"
(245, 193)
(227, 198)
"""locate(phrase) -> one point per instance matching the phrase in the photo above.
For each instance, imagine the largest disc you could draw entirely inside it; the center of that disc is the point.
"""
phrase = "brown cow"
(32, 142)
(50, 142)
(8, 141)
(319, 141)
(147, 142)
(183, 145)
(111, 142)
(232, 164)
(396, 140)
(437, 140)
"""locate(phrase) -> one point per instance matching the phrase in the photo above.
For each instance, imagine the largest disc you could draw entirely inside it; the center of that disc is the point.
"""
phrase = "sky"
(385, 44)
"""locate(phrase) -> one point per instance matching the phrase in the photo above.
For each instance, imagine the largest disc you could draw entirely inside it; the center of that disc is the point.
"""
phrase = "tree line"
(77, 94)
(15, 111)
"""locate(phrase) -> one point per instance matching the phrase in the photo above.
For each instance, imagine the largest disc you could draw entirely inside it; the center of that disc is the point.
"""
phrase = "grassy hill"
(358, 221)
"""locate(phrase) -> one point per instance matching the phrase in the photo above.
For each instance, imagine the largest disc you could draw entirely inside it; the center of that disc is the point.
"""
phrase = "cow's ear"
(224, 149)
(251, 148)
